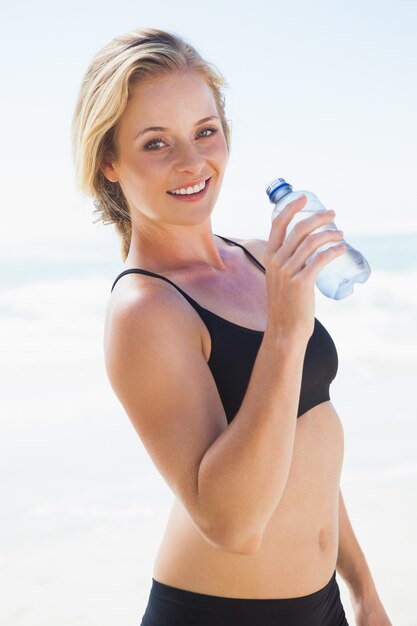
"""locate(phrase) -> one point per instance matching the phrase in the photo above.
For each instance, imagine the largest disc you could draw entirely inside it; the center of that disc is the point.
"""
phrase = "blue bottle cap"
(276, 184)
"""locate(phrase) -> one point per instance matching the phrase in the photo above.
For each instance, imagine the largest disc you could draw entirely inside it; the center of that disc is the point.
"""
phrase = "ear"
(107, 167)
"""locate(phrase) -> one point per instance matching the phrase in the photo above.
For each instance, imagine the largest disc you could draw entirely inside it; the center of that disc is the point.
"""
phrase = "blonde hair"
(103, 96)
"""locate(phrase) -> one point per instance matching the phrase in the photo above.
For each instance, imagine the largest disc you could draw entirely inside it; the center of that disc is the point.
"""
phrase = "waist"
(290, 567)
(244, 606)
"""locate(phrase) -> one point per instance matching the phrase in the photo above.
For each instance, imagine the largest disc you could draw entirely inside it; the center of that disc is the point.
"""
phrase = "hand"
(289, 281)
(370, 613)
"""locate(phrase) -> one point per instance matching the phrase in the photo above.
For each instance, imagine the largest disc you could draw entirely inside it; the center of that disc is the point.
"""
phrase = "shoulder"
(146, 301)
(256, 247)
(144, 309)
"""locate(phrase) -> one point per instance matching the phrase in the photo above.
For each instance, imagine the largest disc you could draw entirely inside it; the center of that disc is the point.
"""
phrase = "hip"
(180, 607)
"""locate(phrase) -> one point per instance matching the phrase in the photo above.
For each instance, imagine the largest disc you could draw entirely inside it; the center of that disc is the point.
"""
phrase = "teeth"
(189, 190)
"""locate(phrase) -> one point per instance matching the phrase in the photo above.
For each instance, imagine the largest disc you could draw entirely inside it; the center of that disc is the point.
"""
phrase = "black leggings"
(170, 606)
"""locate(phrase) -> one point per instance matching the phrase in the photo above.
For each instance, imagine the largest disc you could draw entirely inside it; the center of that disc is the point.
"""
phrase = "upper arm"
(155, 364)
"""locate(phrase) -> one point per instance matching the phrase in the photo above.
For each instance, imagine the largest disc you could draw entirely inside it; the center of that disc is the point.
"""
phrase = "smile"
(189, 189)
(191, 193)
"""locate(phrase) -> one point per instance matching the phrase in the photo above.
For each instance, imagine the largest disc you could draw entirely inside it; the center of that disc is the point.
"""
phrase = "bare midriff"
(300, 543)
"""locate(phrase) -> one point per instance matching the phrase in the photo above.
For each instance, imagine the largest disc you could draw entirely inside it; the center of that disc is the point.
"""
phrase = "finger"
(281, 221)
(304, 228)
(325, 256)
(310, 245)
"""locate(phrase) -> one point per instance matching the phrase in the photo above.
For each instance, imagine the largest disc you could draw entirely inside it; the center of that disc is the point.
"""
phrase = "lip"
(195, 197)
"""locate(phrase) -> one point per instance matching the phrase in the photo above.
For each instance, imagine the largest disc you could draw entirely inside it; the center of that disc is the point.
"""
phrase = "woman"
(213, 349)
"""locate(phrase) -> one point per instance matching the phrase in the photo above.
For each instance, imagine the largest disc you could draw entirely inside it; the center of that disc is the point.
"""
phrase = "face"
(189, 151)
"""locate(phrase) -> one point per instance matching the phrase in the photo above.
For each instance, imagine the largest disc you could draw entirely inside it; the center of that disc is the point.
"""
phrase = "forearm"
(351, 562)
(244, 472)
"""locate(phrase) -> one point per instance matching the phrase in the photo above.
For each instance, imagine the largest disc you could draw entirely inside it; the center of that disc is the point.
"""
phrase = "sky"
(322, 94)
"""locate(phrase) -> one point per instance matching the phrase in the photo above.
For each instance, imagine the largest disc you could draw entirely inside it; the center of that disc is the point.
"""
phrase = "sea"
(83, 508)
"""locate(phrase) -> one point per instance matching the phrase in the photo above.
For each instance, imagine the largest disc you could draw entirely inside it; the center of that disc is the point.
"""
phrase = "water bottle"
(337, 277)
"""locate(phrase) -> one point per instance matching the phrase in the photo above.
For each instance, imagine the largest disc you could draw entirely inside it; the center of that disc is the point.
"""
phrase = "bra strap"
(243, 248)
(136, 270)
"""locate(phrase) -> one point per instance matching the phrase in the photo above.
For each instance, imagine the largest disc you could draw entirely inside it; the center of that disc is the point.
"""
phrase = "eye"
(150, 144)
(211, 129)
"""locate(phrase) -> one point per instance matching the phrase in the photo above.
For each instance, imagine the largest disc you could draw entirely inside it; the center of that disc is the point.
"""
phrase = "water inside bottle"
(337, 278)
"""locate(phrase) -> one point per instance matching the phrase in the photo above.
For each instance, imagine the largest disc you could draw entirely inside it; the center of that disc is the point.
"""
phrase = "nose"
(189, 159)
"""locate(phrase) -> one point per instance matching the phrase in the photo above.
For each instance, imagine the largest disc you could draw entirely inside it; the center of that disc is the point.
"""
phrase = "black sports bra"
(234, 349)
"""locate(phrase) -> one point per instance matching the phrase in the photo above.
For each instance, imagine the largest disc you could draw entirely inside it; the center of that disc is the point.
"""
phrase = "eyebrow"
(162, 128)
